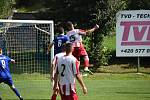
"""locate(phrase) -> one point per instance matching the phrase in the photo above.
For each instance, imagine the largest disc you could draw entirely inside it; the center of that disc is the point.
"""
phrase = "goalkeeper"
(5, 75)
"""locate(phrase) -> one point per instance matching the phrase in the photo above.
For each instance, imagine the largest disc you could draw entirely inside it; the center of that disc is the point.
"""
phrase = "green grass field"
(102, 86)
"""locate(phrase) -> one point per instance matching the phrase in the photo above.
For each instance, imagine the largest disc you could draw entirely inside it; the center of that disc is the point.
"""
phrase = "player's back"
(67, 68)
(4, 66)
(58, 42)
(75, 36)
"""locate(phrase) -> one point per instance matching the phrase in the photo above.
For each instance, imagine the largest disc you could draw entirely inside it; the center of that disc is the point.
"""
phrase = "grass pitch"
(104, 86)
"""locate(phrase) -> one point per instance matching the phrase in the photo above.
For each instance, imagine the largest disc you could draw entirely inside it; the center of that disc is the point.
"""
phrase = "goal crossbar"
(27, 21)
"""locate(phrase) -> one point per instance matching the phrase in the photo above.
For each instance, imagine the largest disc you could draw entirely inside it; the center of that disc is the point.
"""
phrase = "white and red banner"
(133, 33)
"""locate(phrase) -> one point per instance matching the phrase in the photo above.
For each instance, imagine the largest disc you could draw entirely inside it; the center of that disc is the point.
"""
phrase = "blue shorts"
(7, 81)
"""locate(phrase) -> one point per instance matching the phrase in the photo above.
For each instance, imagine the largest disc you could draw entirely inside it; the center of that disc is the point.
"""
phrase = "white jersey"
(67, 68)
(57, 56)
(75, 36)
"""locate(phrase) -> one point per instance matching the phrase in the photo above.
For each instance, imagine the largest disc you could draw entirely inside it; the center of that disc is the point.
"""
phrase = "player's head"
(60, 30)
(1, 51)
(69, 48)
(70, 25)
(63, 47)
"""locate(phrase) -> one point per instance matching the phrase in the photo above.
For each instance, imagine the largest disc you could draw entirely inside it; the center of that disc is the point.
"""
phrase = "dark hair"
(69, 24)
(60, 29)
(68, 47)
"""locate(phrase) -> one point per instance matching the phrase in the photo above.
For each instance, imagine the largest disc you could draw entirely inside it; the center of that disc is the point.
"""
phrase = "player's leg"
(16, 91)
(75, 53)
(70, 97)
(13, 88)
(86, 64)
(55, 93)
(83, 53)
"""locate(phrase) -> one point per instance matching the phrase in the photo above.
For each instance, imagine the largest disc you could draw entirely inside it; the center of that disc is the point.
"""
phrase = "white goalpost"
(26, 41)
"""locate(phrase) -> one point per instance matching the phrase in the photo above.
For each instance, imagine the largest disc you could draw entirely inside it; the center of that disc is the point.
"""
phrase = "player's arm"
(52, 71)
(80, 80)
(50, 46)
(90, 30)
(12, 60)
(56, 81)
(78, 76)
(53, 67)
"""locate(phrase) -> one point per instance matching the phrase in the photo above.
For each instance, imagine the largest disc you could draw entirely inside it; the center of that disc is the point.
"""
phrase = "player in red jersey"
(67, 71)
(75, 37)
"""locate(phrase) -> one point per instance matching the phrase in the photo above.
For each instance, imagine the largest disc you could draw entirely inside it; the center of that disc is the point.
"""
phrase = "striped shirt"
(67, 68)
(75, 36)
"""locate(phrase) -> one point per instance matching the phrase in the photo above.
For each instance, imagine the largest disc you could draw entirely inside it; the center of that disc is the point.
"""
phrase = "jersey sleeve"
(9, 59)
(82, 32)
(66, 38)
(75, 66)
(55, 39)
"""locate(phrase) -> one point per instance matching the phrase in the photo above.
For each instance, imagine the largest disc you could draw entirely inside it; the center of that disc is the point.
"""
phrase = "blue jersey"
(4, 67)
(58, 43)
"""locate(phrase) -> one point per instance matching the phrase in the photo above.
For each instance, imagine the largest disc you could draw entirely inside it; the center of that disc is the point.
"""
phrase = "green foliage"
(104, 14)
(138, 4)
(30, 5)
(105, 56)
(5, 8)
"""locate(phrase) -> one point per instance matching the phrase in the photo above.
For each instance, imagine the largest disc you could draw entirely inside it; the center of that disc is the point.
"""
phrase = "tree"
(138, 4)
(104, 13)
(6, 8)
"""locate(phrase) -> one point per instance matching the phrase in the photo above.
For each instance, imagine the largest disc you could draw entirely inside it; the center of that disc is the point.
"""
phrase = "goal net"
(26, 42)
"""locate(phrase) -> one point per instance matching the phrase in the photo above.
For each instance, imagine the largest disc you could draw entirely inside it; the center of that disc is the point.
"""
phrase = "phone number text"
(135, 50)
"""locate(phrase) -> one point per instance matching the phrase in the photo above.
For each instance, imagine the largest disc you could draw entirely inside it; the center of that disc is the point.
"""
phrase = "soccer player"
(58, 41)
(53, 71)
(75, 36)
(67, 72)
(5, 75)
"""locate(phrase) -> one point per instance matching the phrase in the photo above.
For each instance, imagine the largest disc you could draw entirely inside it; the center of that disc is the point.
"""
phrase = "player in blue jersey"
(58, 41)
(5, 75)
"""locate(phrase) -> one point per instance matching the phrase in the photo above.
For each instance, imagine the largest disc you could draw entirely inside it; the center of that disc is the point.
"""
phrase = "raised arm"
(92, 29)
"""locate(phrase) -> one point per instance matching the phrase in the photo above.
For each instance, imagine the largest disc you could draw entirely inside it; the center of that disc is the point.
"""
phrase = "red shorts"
(73, 96)
(79, 51)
